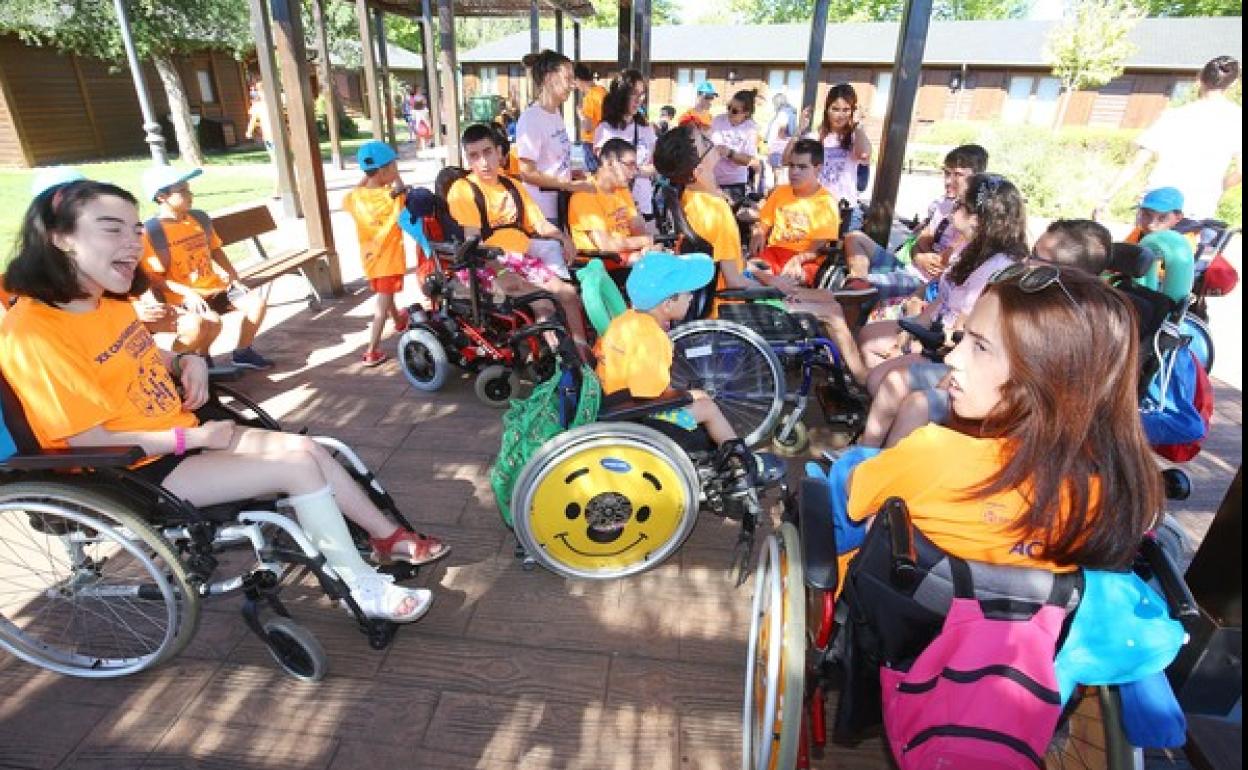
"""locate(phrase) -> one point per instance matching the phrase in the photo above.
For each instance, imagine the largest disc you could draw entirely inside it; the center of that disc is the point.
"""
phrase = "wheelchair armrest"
(931, 338)
(623, 406)
(1179, 599)
(818, 534)
(750, 295)
(76, 458)
(603, 254)
(224, 374)
(904, 567)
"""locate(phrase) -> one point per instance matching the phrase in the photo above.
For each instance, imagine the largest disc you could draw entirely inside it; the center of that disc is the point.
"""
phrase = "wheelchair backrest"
(1131, 260)
(688, 241)
(600, 296)
(15, 433)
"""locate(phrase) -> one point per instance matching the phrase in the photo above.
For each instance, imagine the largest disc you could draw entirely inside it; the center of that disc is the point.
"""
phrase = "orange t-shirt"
(635, 354)
(190, 258)
(612, 212)
(978, 529)
(500, 209)
(591, 108)
(796, 223)
(376, 214)
(711, 217)
(74, 371)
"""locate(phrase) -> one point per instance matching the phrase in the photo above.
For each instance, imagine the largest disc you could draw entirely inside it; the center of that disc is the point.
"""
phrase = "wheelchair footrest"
(841, 407)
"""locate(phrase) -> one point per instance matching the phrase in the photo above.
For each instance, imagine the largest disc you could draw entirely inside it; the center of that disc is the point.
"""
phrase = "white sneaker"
(380, 598)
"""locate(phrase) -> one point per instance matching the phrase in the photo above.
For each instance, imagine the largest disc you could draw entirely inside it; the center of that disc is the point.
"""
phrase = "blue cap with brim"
(56, 176)
(1122, 632)
(157, 179)
(706, 89)
(373, 155)
(1164, 199)
(659, 275)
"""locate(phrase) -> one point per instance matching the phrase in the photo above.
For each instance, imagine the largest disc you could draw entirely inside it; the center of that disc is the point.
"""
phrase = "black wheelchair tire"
(423, 358)
(296, 650)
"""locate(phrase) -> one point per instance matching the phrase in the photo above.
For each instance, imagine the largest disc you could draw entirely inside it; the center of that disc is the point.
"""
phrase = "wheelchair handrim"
(584, 466)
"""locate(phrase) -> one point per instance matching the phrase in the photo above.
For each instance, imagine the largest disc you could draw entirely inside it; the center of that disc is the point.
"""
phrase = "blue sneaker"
(248, 358)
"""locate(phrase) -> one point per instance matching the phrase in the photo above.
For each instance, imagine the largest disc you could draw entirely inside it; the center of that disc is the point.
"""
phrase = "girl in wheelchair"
(89, 374)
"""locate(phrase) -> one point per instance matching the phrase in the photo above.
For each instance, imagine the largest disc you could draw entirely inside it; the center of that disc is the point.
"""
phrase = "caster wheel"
(296, 650)
(496, 385)
(796, 443)
(423, 358)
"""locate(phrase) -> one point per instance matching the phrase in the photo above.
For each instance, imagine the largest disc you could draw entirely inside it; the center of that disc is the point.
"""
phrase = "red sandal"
(391, 548)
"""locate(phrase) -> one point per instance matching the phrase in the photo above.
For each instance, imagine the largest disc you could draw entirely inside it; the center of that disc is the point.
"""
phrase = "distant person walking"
(1199, 146)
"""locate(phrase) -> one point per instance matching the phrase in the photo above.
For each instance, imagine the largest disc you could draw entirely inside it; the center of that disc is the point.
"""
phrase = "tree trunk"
(1062, 105)
(180, 109)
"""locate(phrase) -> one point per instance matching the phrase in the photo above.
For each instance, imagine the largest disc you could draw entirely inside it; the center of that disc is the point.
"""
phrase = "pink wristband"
(179, 441)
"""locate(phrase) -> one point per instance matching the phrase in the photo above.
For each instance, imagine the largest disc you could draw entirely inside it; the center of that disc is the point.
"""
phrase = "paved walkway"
(511, 669)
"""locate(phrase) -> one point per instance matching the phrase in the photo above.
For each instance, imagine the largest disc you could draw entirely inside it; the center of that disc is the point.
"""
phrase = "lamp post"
(154, 138)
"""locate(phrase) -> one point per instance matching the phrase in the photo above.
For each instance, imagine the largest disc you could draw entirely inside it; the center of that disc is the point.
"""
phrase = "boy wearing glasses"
(798, 218)
(935, 243)
(607, 218)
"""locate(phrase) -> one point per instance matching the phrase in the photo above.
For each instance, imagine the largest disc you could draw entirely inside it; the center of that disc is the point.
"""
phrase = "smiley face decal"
(609, 508)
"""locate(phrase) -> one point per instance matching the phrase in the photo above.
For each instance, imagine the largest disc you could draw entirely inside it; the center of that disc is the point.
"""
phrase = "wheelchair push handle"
(1179, 599)
(904, 569)
(471, 254)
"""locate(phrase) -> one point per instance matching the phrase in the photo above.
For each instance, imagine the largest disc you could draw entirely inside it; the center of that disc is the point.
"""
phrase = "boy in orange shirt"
(181, 254)
(797, 218)
(375, 204)
(592, 96)
(607, 218)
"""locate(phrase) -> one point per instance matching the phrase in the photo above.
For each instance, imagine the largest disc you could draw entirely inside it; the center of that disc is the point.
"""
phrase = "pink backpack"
(983, 695)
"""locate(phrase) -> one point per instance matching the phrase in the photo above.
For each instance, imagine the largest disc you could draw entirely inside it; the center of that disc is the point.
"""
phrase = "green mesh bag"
(531, 422)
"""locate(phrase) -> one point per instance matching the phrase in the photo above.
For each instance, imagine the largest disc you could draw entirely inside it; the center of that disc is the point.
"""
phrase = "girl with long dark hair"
(624, 117)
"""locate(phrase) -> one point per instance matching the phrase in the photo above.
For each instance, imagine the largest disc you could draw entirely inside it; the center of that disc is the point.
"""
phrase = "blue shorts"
(680, 417)
(938, 407)
(926, 374)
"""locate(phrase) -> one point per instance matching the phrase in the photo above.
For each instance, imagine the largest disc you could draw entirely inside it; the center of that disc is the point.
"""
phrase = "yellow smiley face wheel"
(771, 720)
(605, 500)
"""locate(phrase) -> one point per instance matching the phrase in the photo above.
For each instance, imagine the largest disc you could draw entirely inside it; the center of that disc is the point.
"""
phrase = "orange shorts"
(777, 257)
(386, 284)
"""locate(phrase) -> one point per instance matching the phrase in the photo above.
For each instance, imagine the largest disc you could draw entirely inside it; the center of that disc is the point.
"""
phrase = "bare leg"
(381, 311)
(254, 305)
(858, 250)
(913, 414)
(892, 387)
(196, 332)
(834, 322)
(878, 342)
(708, 416)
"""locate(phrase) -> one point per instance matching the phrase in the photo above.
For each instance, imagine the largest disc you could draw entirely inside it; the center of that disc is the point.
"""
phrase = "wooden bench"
(249, 224)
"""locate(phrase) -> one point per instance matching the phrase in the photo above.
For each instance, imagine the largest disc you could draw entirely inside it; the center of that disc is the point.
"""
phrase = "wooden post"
(814, 62)
(325, 68)
(383, 74)
(625, 54)
(643, 49)
(446, 70)
(263, 34)
(433, 93)
(288, 28)
(535, 28)
(375, 114)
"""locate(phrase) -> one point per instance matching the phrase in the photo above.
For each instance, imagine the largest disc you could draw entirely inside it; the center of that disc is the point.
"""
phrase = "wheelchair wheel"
(496, 385)
(296, 650)
(776, 658)
(91, 589)
(737, 368)
(1092, 736)
(794, 444)
(424, 359)
(240, 408)
(605, 500)
(1202, 340)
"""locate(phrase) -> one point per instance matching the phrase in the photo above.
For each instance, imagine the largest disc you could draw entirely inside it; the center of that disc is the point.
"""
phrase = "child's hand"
(793, 268)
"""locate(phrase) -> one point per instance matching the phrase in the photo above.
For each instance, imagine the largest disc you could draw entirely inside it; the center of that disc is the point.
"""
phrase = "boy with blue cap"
(1160, 212)
(375, 204)
(635, 353)
(700, 113)
(182, 256)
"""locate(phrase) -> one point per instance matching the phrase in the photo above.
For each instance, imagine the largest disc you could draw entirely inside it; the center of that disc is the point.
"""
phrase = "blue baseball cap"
(374, 155)
(706, 89)
(56, 176)
(1163, 199)
(157, 179)
(659, 275)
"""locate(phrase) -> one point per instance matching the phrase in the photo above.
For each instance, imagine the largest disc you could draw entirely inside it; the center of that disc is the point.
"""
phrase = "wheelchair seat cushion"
(772, 323)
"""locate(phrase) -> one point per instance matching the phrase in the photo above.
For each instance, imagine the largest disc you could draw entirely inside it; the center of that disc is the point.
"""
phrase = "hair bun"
(529, 59)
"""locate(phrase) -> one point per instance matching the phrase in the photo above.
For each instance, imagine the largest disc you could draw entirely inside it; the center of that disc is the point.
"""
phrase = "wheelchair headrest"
(1131, 260)
(599, 294)
(690, 241)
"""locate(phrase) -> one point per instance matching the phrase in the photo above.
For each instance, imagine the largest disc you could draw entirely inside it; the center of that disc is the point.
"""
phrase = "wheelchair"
(619, 495)
(804, 640)
(105, 573)
(797, 339)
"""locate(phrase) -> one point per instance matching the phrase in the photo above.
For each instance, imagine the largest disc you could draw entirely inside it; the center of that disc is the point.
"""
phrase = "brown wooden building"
(58, 108)
(973, 70)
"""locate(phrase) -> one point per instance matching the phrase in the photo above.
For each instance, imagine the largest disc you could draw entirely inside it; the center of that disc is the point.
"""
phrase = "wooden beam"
(433, 93)
(814, 61)
(373, 101)
(288, 29)
(625, 53)
(447, 67)
(326, 73)
(383, 73)
(535, 28)
(263, 34)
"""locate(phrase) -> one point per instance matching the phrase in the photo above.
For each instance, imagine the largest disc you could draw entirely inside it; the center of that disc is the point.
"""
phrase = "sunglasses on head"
(1033, 279)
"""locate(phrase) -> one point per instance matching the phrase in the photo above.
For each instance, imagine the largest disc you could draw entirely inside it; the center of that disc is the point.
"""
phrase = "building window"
(206, 94)
(489, 81)
(687, 80)
(787, 82)
(883, 92)
(1032, 100)
(1044, 102)
(1017, 99)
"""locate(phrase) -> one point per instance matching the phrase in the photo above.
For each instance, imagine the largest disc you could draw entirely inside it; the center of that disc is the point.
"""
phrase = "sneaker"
(374, 358)
(248, 358)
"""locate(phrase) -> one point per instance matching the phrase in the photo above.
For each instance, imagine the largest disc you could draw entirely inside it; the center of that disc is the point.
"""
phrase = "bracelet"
(179, 441)
(175, 367)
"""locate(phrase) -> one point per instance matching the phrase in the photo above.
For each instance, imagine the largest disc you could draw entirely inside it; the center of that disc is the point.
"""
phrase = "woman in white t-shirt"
(1199, 147)
(735, 135)
(542, 142)
(624, 118)
(845, 147)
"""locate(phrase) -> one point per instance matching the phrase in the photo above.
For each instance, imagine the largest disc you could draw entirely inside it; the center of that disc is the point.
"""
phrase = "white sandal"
(379, 598)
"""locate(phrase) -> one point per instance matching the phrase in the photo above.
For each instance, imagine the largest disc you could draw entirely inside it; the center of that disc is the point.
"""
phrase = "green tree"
(792, 11)
(161, 28)
(1194, 7)
(1090, 46)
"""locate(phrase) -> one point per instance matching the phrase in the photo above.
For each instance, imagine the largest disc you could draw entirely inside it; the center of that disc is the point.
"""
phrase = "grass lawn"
(229, 179)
